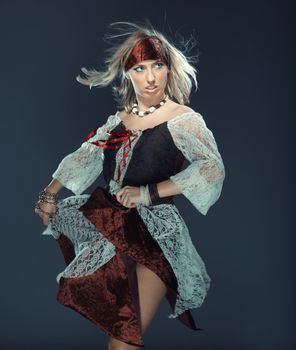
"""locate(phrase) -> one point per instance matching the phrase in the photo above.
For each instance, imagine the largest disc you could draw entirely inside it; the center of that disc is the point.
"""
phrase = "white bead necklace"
(151, 109)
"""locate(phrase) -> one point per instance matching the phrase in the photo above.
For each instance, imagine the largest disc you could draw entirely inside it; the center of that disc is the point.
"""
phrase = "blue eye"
(160, 64)
(137, 68)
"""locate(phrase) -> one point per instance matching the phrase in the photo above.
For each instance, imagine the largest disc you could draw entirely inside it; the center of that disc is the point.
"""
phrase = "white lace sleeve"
(201, 182)
(78, 170)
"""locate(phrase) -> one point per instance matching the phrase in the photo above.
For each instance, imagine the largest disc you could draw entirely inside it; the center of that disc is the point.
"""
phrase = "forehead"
(147, 62)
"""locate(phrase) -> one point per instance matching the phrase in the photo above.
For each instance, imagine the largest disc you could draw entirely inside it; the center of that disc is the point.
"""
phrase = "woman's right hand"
(48, 207)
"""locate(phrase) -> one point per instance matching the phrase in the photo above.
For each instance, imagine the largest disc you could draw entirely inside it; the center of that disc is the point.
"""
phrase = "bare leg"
(151, 292)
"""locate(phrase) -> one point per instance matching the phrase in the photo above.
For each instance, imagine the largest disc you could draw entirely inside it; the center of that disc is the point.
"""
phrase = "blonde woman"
(126, 246)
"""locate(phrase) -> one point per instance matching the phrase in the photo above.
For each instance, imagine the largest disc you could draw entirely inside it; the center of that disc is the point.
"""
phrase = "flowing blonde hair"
(180, 79)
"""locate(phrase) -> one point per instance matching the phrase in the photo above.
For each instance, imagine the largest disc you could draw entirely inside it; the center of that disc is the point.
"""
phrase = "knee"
(118, 345)
(122, 347)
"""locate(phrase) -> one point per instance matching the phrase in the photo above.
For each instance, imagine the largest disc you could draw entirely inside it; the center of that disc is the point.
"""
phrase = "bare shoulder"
(122, 114)
(184, 109)
(179, 109)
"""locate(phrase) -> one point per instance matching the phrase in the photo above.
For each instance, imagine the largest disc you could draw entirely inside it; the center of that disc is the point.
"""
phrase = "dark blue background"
(246, 80)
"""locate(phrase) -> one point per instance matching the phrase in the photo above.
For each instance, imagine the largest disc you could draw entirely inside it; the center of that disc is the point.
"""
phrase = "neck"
(145, 102)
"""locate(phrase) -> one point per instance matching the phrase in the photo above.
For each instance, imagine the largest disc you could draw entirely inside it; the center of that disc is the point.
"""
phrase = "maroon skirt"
(109, 296)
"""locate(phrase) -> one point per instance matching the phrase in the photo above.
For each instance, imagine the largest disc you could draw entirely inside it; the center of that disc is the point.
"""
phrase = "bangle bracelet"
(46, 192)
(145, 197)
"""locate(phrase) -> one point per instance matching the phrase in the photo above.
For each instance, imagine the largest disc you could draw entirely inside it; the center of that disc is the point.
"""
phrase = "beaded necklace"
(151, 109)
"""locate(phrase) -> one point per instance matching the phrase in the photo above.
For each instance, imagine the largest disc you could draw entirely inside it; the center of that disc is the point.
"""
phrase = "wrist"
(46, 196)
(54, 187)
(50, 190)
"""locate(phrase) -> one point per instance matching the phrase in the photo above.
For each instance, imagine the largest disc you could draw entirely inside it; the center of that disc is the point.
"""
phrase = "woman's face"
(149, 78)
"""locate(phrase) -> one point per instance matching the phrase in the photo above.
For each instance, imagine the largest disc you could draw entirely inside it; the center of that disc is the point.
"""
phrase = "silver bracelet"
(145, 196)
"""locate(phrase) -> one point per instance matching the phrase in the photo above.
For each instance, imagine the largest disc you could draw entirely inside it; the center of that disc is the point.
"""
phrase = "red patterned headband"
(149, 48)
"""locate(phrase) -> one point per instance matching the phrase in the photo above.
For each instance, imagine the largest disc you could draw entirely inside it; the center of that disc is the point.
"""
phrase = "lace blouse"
(201, 182)
(150, 155)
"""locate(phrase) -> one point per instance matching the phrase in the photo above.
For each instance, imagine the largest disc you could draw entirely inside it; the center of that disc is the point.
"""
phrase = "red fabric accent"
(115, 136)
(126, 136)
(148, 48)
(109, 296)
(91, 134)
(126, 150)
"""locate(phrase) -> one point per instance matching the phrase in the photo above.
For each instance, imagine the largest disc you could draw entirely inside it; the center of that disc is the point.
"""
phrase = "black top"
(154, 158)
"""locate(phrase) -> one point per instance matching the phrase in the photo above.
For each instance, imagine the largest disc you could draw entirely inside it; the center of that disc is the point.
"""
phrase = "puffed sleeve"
(79, 169)
(202, 180)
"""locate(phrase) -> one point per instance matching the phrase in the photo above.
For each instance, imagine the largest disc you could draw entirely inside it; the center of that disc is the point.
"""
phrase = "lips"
(151, 87)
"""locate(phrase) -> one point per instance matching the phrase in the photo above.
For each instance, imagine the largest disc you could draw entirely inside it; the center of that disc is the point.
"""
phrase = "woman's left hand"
(129, 196)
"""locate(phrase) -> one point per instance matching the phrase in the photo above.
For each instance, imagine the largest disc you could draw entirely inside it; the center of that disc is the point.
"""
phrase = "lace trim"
(168, 228)
(92, 249)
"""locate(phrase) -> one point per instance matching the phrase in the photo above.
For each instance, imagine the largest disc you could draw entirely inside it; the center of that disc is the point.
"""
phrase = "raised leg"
(151, 292)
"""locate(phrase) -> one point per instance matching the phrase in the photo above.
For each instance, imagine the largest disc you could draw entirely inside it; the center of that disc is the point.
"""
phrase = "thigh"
(151, 292)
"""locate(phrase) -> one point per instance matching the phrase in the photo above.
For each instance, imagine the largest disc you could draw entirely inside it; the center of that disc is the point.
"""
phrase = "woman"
(126, 246)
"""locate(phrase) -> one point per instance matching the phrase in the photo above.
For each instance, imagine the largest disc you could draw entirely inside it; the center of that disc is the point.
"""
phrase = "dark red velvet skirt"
(109, 296)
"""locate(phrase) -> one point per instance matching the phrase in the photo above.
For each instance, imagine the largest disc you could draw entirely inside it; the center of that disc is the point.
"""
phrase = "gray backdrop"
(245, 95)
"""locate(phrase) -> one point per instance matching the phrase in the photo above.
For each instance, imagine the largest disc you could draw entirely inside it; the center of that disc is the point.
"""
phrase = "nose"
(150, 76)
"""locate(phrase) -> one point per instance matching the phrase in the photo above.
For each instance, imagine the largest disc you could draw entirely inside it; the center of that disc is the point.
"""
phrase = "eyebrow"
(144, 65)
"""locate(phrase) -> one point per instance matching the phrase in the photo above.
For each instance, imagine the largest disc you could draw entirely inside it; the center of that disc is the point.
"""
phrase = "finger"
(118, 198)
(45, 220)
(128, 202)
(124, 199)
(37, 211)
(119, 195)
(121, 200)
